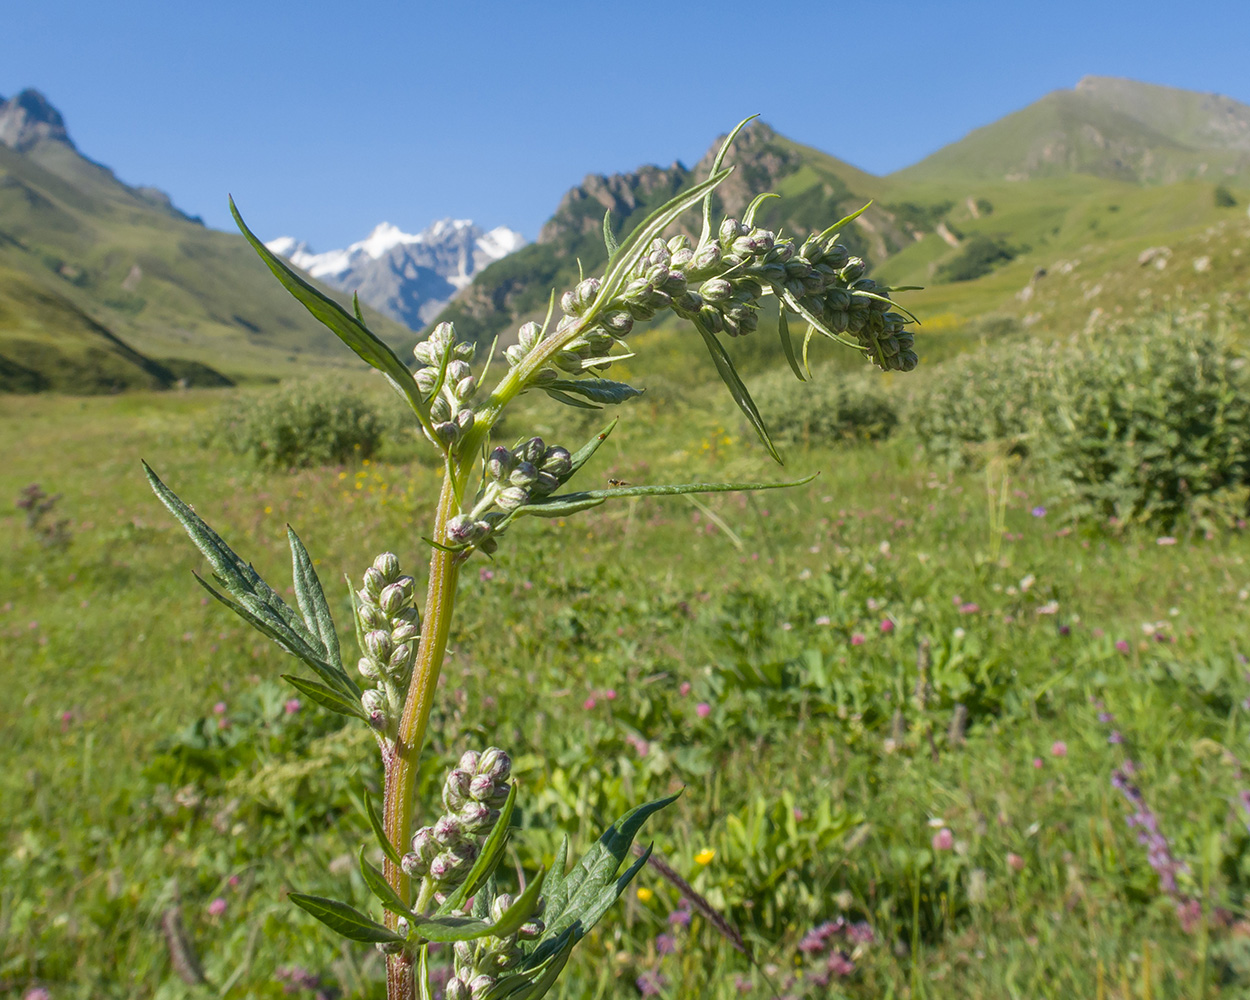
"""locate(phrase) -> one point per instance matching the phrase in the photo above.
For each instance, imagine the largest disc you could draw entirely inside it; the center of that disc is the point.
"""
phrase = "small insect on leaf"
(618, 482)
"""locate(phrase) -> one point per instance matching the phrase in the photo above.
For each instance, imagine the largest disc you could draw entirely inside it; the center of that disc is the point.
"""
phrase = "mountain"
(104, 286)
(409, 278)
(1105, 127)
(819, 189)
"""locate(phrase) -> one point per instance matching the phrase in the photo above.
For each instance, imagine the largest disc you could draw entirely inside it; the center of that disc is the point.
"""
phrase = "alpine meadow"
(775, 581)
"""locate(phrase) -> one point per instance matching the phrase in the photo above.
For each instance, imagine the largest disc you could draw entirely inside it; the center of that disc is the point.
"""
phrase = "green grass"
(113, 801)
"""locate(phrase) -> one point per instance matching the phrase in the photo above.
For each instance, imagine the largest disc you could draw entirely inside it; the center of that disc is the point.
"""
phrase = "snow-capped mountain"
(408, 277)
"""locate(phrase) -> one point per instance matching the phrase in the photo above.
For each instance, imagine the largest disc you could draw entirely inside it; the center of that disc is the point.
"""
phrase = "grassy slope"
(166, 286)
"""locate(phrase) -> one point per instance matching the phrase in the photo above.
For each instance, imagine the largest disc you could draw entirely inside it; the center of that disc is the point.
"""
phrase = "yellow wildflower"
(705, 856)
(645, 895)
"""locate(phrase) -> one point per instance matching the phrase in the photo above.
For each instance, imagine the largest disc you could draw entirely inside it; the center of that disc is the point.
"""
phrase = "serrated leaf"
(609, 240)
(567, 400)
(312, 599)
(600, 390)
(339, 321)
(581, 894)
(787, 346)
(343, 919)
(737, 389)
(379, 830)
(376, 883)
(326, 697)
(487, 858)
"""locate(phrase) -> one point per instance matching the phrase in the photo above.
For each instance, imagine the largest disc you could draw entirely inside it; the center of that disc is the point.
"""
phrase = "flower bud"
(708, 257)
(545, 376)
(480, 985)
(414, 865)
(512, 497)
(388, 565)
(527, 336)
(456, 789)
(374, 582)
(557, 461)
(496, 764)
(378, 645)
(728, 231)
(424, 844)
(618, 323)
(523, 475)
(373, 700)
(678, 244)
(465, 350)
(440, 409)
(391, 600)
(448, 831)
(468, 761)
(531, 930)
(463, 530)
(368, 669)
(532, 451)
(715, 290)
(499, 906)
(404, 633)
(482, 787)
(457, 989)
(445, 432)
(477, 817)
(457, 370)
(499, 464)
(568, 303)
(515, 354)
(568, 361)
(401, 660)
(584, 294)
(854, 269)
(450, 863)
(464, 422)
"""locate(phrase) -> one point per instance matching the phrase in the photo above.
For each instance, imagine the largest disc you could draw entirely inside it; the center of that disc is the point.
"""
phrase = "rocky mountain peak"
(30, 118)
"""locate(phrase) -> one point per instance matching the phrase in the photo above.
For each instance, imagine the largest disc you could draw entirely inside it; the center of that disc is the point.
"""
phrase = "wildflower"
(680, 917)
(887, 626)
(943, 840)
(665, 944)
(644, 894)
(857, 639)
(1015, 862)
(610, 694)
(705, 856)
(703, 710)
(232, 881)
(219, 708)
(589, 704)
(486, 574)
(823, 620)
(1165, 540)
(651, 983)
(1121, 646)
(38, 993)
(292, 706)
(1059, 749)
(684, 688)
(1038, 511)
(1037, 762)
(217, 907)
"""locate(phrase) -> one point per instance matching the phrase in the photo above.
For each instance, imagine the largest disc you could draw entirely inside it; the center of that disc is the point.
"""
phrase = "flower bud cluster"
(443, 854)
(391, 626)
(512, 479)
(450, 410)
(479, 963)
(720, 284)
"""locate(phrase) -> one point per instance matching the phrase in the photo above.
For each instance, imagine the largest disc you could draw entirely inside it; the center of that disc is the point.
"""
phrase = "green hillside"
(80, 251)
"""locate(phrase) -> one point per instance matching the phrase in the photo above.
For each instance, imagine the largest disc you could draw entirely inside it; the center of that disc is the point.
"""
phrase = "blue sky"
(325, 118)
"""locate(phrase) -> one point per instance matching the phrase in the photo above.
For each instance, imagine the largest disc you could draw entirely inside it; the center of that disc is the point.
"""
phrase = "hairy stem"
(403, 761)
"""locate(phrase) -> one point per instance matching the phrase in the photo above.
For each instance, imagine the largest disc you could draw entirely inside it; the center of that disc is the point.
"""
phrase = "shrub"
(303, 424)
(836, 408)
(1224, 197)
(980, 255)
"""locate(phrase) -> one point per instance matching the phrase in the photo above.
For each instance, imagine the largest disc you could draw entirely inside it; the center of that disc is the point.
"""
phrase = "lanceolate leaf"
(379, 830)
(559, 508)
(377, 884)
(601, 390)
(569, 502)
(844, 221)
(787, 346)
(312, 599)
(344, 919)
(706, 235)
(339, 321)
(737, 389)
(567, 400)
(445, 929)
(326, 697)
(582, 455)
(609, 240)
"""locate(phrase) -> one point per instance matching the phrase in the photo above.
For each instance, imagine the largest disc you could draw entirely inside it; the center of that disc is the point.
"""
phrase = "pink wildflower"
(703, 710)
(943, 840)
(1121, 646)
(887, 626)
(589, 703)
(217, 907)
(292, 706)
(684, 689)
(857, 639)
(1015, 862)
(1059, 749)
(219, 708)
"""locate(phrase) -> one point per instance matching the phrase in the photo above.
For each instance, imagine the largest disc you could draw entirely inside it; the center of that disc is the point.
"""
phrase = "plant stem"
(404, 759)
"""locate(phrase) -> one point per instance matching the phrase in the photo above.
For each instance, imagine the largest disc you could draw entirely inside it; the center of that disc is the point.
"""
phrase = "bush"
(980, 255)
(301, 425)
(1137, 426)
(1224, 198)
(833, 408)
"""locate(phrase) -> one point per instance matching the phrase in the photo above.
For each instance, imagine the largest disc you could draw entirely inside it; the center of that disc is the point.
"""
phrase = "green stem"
(403, 761)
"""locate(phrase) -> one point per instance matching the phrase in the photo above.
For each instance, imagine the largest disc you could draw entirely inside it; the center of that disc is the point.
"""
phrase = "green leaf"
(816, 323)
(705, 237)
(568, 400)
(844, 221)
(360, 316)
(377, 884)
(601, 390)
(576, 902)
(488, 857)
(566, 502)
(312, 600)
(326, 697)
(339, 321)
(379, 830)
(344, 919)
(522, 907)
(729, 375)
(582, 455)
(553, 508)
(423, 974)
(748, 217)
(787, 346)
(609, 240)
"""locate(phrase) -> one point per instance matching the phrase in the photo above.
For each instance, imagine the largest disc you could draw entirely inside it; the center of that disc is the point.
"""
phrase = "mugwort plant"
(437, 883)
